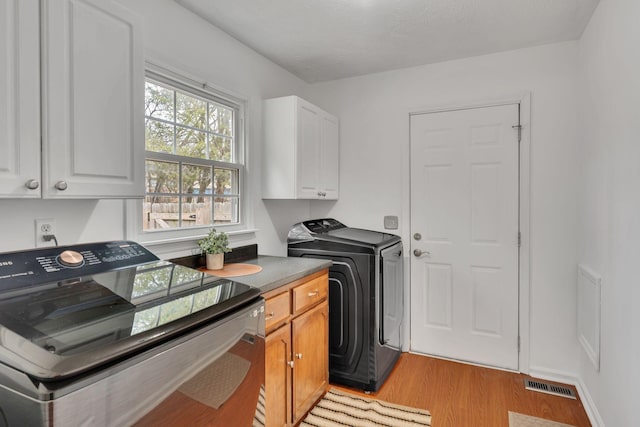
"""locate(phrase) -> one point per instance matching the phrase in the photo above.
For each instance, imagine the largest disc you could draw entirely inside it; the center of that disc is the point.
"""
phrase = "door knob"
(420, 252)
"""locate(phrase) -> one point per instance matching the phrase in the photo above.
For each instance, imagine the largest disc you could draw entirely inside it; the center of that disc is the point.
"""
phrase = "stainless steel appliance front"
(136, 342)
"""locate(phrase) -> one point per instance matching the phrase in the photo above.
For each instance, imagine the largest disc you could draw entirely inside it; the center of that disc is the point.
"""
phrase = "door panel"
(464, 206)
(437, 296)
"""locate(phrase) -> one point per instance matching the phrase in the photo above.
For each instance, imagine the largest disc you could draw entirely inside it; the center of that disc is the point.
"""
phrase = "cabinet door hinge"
(519, 127)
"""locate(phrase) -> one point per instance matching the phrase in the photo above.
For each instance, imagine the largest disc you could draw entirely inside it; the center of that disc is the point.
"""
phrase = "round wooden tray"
(233, 270)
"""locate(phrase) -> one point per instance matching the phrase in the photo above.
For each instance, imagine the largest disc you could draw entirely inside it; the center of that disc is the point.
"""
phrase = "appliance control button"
(71, 258)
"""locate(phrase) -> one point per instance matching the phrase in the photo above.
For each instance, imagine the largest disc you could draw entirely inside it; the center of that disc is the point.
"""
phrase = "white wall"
(374, 131)
(609, 105)
(181, 40)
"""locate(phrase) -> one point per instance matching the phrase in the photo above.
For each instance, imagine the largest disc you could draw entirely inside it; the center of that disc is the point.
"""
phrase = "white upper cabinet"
(329, 156)
(71, 100)
(19, 99)
(301, 149)
(93, 96)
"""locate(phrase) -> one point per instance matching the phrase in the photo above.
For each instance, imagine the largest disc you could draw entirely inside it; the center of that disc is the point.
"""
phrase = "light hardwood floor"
(461, 395)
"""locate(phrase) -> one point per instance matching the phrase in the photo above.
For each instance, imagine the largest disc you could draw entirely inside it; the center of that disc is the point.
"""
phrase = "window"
(193, 169)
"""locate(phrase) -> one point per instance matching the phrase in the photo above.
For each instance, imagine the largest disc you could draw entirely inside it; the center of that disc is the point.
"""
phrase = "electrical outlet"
(45, 227)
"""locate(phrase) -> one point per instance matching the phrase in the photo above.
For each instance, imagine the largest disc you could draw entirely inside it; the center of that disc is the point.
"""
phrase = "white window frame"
(187, 236)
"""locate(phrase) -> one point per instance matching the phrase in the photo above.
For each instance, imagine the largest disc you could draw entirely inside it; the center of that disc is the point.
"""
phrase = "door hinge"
(519, 127)
(519, 239)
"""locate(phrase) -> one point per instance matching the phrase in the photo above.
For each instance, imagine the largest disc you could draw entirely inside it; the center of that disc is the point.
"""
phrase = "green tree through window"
(192, 175)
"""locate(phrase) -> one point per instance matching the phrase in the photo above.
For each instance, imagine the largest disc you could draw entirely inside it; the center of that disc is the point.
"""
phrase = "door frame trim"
(524, 254)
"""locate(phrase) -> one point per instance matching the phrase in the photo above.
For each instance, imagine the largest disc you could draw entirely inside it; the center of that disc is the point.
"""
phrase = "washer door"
(391, 308)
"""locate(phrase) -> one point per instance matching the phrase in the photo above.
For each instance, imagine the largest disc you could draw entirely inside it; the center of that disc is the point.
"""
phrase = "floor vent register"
(544, 387)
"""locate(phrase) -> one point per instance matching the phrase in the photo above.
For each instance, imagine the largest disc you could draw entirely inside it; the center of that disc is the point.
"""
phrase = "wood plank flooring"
(461, 395)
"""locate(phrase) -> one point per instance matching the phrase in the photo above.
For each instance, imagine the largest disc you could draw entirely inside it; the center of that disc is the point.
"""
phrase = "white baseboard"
(566, 378)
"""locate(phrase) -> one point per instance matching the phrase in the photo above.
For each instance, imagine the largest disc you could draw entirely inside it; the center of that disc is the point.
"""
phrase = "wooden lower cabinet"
(310, 358)
(297, 349)
(278, 377)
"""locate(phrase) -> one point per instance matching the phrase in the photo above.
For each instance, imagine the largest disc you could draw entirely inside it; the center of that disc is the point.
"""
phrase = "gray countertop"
(278, 271)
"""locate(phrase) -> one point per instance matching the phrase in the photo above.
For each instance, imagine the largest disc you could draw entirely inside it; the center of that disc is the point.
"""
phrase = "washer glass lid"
(360, 235)
(106, 314)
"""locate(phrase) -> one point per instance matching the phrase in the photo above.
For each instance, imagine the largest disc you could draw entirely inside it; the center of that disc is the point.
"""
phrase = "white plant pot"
(215, 261)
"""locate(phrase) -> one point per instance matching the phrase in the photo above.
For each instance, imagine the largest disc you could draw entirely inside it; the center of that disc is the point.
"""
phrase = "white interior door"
(464, 235)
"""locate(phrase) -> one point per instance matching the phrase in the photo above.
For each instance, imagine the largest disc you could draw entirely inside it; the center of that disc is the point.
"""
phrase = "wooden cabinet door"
(19, 98)
(277, 380)
(310, 358)
(93, 96)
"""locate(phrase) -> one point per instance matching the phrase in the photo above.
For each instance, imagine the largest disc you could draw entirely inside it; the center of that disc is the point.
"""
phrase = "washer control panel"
(322, 225)
(60, 263)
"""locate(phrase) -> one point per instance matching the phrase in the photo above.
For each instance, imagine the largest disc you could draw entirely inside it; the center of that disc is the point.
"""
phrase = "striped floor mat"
(338, 408)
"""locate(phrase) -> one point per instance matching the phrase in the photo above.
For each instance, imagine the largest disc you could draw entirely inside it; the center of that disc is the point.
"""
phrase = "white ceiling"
(320, 40)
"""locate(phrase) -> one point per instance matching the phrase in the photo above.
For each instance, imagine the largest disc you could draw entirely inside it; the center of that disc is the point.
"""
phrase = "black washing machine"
(366, 283)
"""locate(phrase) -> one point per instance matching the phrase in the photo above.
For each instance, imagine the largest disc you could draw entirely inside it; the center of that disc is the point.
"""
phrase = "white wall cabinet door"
(93, 89)
(308, 150)
(329, 170)
(19, 99)
(301, 149)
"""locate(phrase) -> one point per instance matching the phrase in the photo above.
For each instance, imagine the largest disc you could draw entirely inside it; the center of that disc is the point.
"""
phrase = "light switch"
(391, 222)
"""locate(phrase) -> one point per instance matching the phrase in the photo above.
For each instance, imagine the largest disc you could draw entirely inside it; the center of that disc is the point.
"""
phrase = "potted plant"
(214, 247)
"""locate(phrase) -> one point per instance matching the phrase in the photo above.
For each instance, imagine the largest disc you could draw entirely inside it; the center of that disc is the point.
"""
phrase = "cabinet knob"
(290, 363)
(61, 185)
(32, 184)
(298, 355)
(270, 316)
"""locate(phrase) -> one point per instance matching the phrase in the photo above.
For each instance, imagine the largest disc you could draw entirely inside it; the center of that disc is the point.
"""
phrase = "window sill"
(188, 245)
(175, 243)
